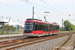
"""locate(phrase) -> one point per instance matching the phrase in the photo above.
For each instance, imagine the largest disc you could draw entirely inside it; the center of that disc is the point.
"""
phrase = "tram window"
(57, 27)
(38, 26)
(47, 27)
(54, 27)
(50, 27)
(28, 26)
(43, 27)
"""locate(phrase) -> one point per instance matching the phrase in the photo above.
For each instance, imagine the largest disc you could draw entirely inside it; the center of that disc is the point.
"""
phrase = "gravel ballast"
(46, 45)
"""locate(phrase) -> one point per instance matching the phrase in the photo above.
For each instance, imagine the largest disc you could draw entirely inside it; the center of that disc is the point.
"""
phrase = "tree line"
(69, 26)
(9, 27)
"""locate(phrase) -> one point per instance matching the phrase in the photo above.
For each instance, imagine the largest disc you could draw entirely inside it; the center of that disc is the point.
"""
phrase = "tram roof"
(40, 21)
(37, 21)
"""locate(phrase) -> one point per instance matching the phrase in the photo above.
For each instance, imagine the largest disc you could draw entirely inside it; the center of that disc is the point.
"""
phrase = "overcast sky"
(22, 9)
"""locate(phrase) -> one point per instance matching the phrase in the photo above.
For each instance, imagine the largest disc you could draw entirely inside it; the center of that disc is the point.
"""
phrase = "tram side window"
(51, 27)
(46, 27)
(57, 27)
(43, 27)
(54, 27)
(38, 26)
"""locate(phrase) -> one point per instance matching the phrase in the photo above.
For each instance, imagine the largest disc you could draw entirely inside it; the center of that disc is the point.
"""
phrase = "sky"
(22, 9)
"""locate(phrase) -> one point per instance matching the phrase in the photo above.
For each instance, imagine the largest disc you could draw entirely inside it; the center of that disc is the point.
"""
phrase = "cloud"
(6, 1)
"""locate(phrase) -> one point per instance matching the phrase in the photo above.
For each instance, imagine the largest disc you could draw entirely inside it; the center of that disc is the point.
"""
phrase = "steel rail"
(45, 39)
(62, 43)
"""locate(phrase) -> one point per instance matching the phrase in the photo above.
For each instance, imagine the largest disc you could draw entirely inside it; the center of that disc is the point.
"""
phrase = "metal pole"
(45, 19)
(2, 29)
(73, 7)
(33, 13)
(62, 24)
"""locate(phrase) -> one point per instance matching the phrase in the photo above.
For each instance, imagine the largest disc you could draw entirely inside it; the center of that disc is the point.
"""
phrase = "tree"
(11, 28)
(8, 28)
(68, 25)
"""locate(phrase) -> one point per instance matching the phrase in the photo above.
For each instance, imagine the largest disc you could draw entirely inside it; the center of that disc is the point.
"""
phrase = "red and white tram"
(35, 27)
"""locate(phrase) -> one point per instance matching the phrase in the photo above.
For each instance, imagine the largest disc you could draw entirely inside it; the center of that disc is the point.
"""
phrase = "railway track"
(8, 45)
(12, 37)
(9, 37)
(12, 44)
(66, 44)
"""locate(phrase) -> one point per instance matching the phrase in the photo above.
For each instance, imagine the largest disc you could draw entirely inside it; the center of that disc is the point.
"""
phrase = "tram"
(36, 27)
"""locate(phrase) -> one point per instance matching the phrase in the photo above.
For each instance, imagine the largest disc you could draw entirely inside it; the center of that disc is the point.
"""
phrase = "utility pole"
(33, 13)
(62, 24)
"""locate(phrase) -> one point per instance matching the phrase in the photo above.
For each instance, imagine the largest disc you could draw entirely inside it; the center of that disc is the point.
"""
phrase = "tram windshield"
(28, 26)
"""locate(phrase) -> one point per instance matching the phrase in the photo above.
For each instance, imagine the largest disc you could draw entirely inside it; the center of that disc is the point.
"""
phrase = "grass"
(13, 32)
(63, 31)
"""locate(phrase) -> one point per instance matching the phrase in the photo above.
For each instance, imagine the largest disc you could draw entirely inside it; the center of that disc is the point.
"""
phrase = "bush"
(5, 33)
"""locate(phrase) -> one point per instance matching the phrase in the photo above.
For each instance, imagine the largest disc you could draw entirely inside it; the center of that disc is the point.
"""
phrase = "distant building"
(17, 25)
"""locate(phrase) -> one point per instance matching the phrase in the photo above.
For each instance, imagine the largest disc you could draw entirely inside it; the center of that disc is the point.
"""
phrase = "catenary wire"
(52, 7)
(34, 6)
(61, 5)
(40, 5)
(15, 7)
